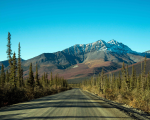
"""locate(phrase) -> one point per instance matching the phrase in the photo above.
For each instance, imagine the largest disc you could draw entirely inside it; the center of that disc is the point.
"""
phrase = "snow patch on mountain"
(101, 45)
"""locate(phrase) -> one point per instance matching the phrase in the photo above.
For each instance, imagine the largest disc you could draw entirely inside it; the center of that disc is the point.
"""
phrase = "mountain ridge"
(88, 57)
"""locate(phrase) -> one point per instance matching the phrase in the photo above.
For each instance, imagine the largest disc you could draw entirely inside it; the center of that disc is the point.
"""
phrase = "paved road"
(71, 105)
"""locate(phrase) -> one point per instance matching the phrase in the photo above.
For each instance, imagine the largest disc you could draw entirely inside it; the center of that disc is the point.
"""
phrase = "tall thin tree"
(37, 76)
(9, 54)
(19, 66)
(13, 71)
(31, 78)
(9, 51)
(2, 76)
(7, 76)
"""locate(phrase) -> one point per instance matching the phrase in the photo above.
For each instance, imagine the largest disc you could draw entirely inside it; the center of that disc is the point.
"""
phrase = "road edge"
(132, 112)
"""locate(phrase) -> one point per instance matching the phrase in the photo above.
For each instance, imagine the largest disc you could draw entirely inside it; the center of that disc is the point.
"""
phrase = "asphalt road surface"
(71, 105)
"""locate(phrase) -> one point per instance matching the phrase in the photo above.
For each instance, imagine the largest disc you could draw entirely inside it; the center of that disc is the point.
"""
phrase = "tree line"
(14, 88)
(133, 90)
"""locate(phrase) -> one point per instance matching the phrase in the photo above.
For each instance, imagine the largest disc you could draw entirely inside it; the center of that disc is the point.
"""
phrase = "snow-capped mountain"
(86, 57)
(100, 45)
(147, 51)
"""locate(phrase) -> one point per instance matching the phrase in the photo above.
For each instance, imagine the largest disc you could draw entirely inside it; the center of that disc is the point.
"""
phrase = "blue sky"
(46, 26)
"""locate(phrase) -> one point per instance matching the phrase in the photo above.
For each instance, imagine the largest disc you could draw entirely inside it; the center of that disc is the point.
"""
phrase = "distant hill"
(137, 67)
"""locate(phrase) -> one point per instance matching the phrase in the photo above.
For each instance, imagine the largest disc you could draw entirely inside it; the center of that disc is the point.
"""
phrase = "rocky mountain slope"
(84, 59)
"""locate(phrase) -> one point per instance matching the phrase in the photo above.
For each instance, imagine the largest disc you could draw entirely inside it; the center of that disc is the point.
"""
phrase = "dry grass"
(133, 99)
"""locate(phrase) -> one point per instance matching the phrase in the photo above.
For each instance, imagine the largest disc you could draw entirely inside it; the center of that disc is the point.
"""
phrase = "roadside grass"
(134, 99)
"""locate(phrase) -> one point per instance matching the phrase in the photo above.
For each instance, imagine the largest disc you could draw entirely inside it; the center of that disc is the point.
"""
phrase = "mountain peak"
(100, 45)
(112, 42)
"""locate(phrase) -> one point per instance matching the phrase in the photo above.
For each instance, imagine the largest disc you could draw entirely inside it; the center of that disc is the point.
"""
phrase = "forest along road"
(72, 104)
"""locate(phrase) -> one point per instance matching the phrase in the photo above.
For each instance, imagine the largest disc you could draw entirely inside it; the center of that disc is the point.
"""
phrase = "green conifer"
(148, 82)
(46, 77)
(37, 76)
(102, 81)
(51, 80)
(7, 76)
(22, 81)
(127, 79)
(133, 79)
(31, 82)
(19, 67)
(2, 76)
(144, 72)
(119, 81)
(13, 71)
(9, 51)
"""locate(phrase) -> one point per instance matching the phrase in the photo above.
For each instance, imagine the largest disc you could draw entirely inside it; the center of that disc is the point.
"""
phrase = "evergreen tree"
(31, 83)
(144, 72)
(7, 76)
(123, 71)
(12, 74)
(133, 79)
(119, 82)
(138, 83)
(46, 77)
(9, 51)
(102, 81)
(56, 80)
(141, 80)
(113, 82)
(148, 82)
(2, 76)
(144, 75)
(22, 81)
(37, 76)
(128, 79)
(13, 71)
(19, 67)
(124, 85)
(107, 84)
(51, 81)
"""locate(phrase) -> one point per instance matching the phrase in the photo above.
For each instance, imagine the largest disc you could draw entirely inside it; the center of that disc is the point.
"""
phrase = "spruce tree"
(51, 81)
(144, 72)
(7, 76)
(2, 76)
(31, 78)
(133, 79)
(22, 81)
(124, 81)
(119, 81)
(9, 51)
(138, 86)
(19, 67)
(102, 81)
(46, 77)
(113, 82)
(55, 80)
(37, 76)
(13, 71)
(9, 55)
(144, 75)
(141, 80)
(148, 82)
(107, 84)
(127, 79)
